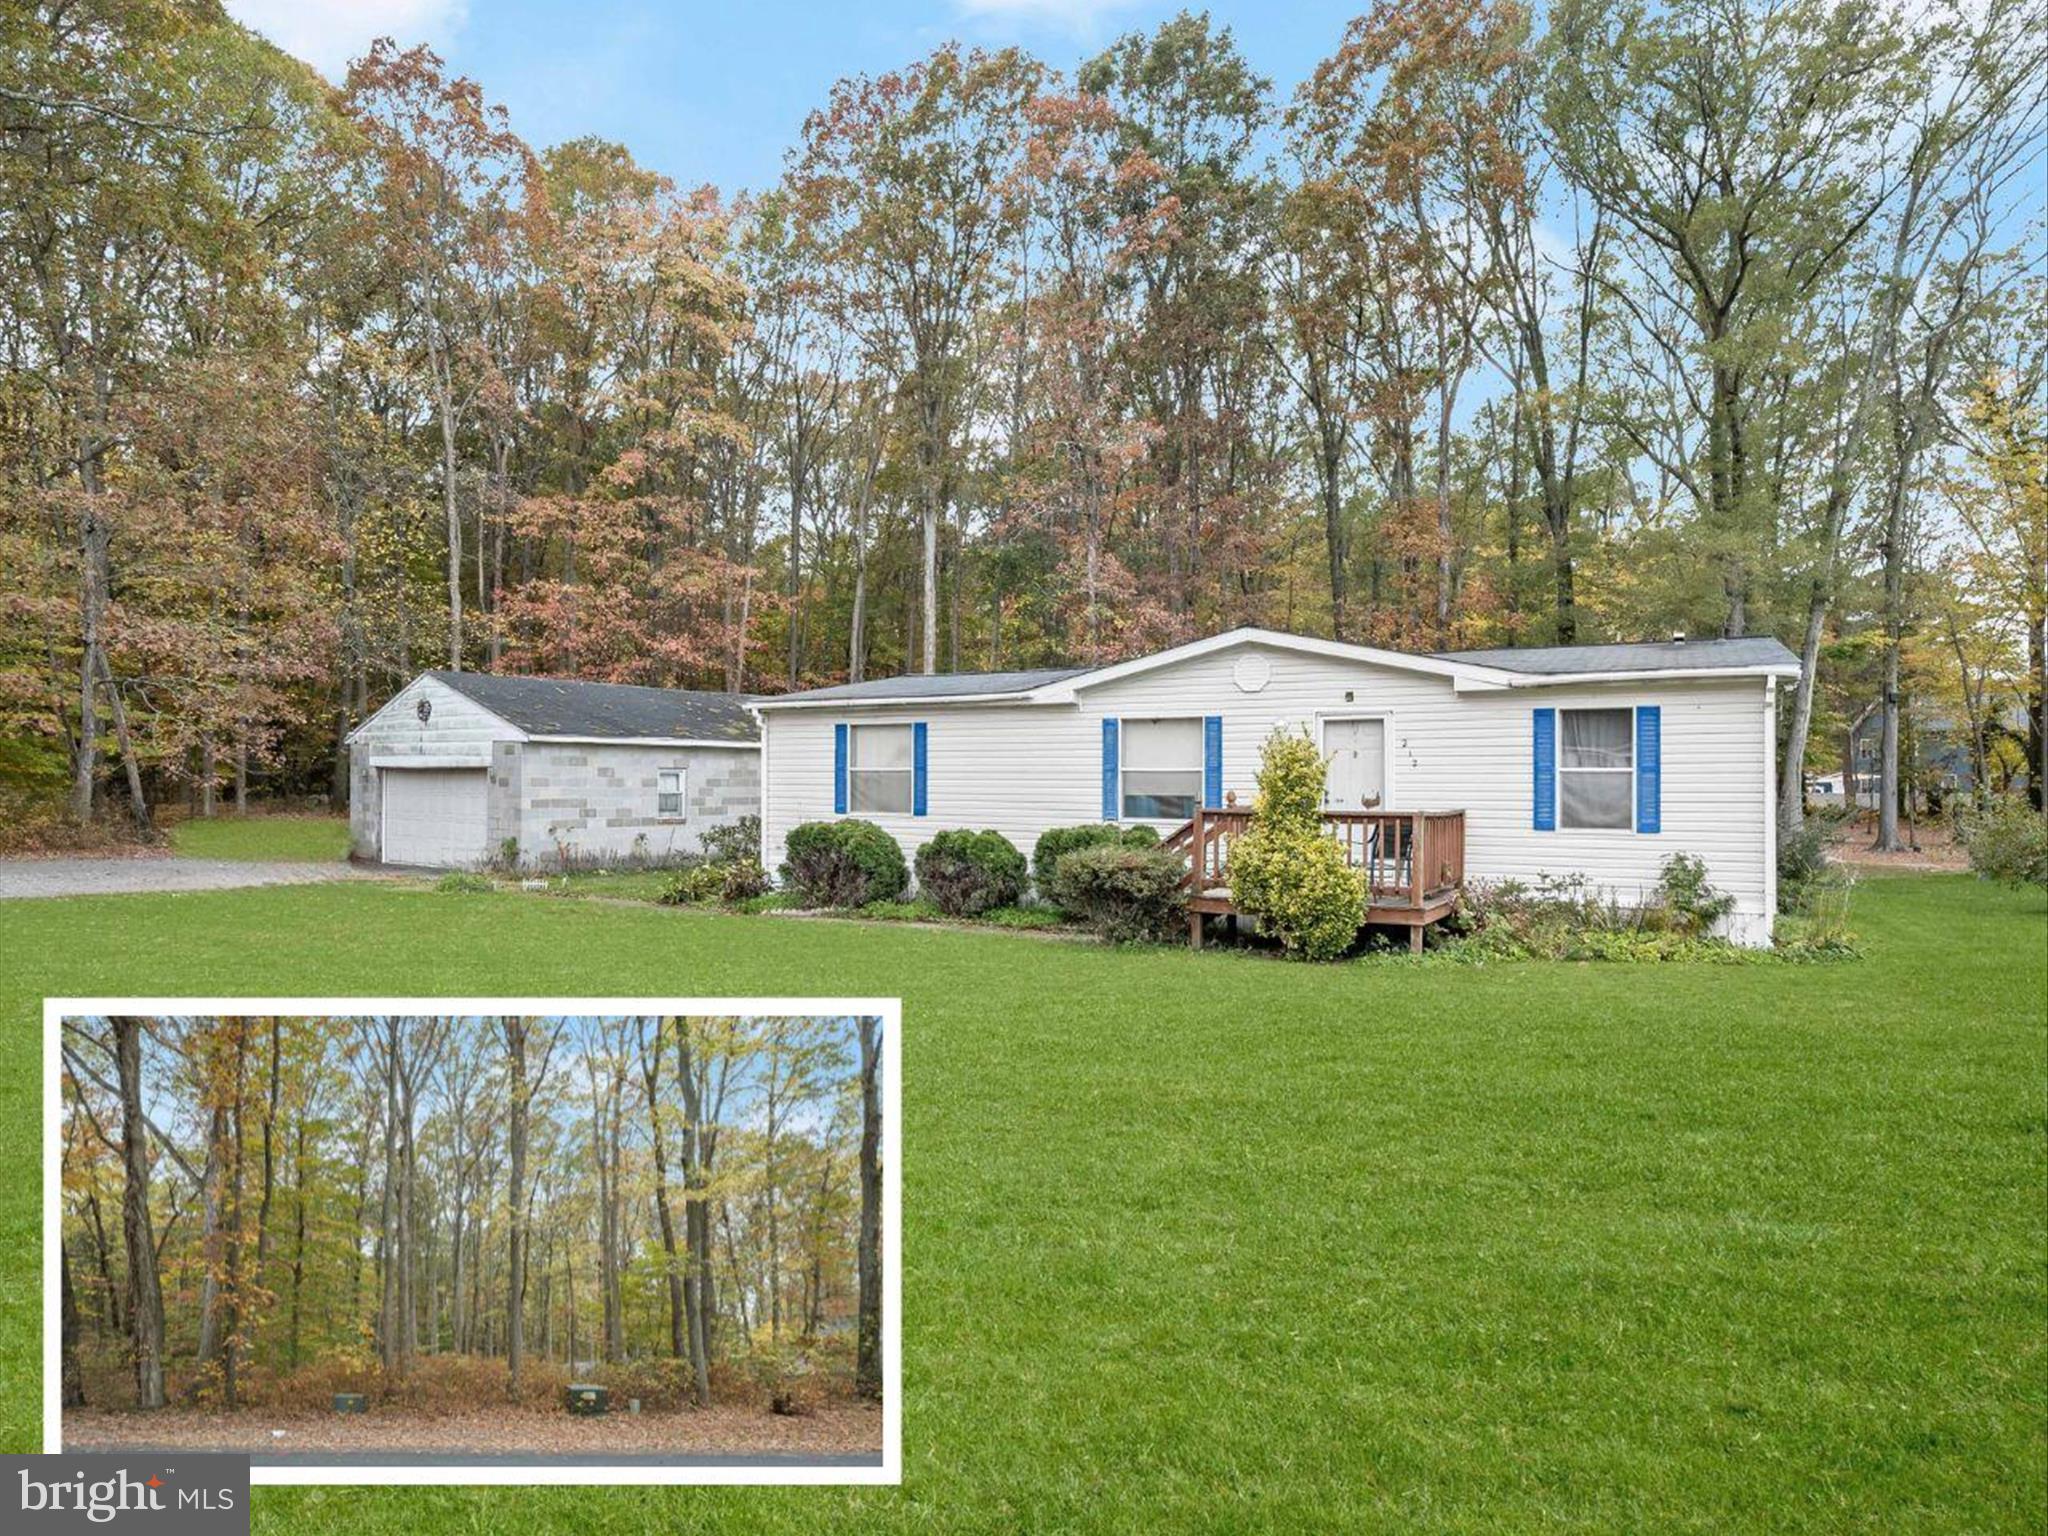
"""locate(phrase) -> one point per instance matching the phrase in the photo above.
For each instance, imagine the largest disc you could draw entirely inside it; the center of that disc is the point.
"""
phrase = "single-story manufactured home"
(459, 768)
(1599, 761)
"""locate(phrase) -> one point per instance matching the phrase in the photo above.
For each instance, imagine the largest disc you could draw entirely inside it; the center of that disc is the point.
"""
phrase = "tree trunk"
(231, 1342)
(92, 540)
(138, 806)
(868, 1349)
(929, 637)
(145, 1293)
(650, 1069)
(515, 1274)
(74, 1378)
(697, 1297)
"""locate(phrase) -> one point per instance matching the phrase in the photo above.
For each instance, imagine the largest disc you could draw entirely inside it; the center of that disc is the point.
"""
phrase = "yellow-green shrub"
(1284, 871)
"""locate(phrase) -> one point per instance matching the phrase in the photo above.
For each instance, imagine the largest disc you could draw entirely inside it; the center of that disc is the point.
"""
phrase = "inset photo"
(479, 1240)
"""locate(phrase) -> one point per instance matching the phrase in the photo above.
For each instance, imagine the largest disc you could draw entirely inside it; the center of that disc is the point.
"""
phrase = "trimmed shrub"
(844, 864)
(2007, 841)
(1056, 842)
(966, 873)
(735, 842)
(1126, 894)
(1284, 871)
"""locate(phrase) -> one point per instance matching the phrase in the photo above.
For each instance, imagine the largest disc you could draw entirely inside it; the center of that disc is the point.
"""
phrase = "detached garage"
(460, 768)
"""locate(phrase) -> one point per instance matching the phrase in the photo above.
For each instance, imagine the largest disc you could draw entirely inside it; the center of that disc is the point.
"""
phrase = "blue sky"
(716, 92)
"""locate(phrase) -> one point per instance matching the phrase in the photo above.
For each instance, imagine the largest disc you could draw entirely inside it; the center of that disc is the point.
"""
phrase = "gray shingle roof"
(940, 685)
(1630, 656)
(558, 706)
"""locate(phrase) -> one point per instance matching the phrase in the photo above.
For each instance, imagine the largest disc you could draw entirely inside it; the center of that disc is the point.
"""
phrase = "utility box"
(351, 1402)
(588, 1399)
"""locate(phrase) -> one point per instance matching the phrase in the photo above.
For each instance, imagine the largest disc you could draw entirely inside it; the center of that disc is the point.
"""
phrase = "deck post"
(1418, 861)
(1415, 938)
(1194, 930)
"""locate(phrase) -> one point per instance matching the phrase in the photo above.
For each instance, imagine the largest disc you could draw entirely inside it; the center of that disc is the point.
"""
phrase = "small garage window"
(670, 791)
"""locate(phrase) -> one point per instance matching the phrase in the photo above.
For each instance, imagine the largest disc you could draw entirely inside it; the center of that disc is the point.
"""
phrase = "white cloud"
(329, 33)
(1077, 18)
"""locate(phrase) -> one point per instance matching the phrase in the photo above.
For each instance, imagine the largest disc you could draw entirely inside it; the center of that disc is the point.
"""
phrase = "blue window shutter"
(1109, 765)
(1649, 768)
(1212, 762)
(1546, 770)
(839, 769)
(917, 743)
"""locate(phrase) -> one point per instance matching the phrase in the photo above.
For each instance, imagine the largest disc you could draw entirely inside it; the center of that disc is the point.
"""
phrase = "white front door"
(1357, 775)
(434, 817)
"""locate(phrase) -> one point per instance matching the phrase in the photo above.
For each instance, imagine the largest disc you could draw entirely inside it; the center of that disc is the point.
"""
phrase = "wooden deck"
(1414, 863)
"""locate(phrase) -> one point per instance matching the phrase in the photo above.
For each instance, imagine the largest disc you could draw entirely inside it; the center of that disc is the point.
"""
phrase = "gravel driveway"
(111, 877)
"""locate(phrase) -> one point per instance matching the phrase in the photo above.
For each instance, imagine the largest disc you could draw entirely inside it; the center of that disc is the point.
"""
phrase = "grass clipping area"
(1197, 1242)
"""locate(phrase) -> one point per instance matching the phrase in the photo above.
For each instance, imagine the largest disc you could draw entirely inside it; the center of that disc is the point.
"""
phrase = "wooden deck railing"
(1410, 858)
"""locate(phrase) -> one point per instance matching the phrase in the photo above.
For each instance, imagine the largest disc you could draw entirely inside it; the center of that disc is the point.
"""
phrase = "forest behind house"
(441, 1211)
(1502, 327)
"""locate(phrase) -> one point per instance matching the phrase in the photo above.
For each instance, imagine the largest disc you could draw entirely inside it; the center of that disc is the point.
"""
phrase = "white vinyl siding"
(880, 769)
(1596, 769)
(1022, 769)
(1160, 776)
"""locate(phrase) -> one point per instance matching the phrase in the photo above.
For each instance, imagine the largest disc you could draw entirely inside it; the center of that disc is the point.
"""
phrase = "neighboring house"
(1599, 761)
(1942, 745)
(463, 767)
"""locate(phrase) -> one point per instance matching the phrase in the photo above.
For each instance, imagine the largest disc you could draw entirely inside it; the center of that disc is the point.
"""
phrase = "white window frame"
(908, 773)
(1386, 719)
(1123, 747)
(681, 775)
(1634, 778)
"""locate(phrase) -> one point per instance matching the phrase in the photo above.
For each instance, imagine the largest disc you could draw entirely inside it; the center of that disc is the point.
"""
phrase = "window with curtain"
(668, 792)
(879, 769)
(1596, 768)
(1161, 773)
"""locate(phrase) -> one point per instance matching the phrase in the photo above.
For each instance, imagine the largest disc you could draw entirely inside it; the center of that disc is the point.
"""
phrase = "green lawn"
(263, 839)
(1218, 1243)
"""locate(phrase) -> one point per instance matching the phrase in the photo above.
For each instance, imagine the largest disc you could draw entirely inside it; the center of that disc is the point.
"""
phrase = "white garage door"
(434, 816)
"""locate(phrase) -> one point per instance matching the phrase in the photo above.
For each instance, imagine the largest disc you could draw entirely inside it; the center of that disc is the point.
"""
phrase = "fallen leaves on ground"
(836, 1429)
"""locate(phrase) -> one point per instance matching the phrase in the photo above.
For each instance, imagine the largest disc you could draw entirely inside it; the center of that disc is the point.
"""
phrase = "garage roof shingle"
(558, 706)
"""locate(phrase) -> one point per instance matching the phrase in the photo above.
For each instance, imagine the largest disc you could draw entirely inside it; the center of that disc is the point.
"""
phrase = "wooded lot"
(1503, 327)
(445, 1210)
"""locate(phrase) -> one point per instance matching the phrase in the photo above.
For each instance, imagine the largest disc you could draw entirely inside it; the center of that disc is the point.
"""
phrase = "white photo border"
(888, 1010)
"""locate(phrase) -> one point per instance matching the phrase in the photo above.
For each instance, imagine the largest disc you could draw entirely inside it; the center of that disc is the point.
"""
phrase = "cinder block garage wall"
(579, 801)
